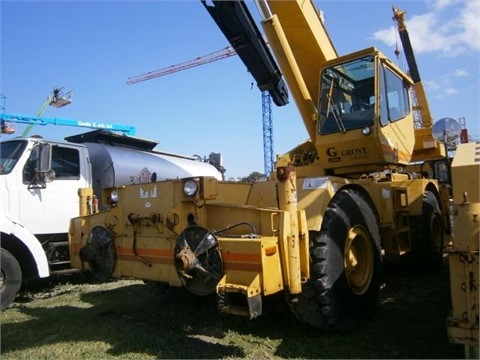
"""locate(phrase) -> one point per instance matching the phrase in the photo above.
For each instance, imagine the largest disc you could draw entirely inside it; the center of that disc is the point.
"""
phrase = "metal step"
(232, 300)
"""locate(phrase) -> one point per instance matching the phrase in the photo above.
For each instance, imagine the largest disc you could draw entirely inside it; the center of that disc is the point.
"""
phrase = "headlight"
(113, 197)
(366, 131)
(190, 187)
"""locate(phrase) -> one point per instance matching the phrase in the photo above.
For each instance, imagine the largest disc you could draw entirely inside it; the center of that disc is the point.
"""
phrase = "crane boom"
(301, 45)
(307, 36)
(238, 26)
(422, 103)
(426, 147)
(36, 120)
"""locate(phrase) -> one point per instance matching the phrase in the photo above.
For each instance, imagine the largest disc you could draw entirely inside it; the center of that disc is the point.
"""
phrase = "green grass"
(128, 320)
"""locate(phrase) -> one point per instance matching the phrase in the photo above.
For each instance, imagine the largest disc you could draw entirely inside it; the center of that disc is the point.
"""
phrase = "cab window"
(65, 163)
(394, 97)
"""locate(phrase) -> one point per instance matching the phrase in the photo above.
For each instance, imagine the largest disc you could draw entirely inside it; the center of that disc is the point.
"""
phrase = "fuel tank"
(120, 160)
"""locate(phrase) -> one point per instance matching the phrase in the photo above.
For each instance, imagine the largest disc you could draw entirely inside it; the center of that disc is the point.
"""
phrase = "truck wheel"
(342, 291)
(99, 253)
(427, 236)
(11, 278)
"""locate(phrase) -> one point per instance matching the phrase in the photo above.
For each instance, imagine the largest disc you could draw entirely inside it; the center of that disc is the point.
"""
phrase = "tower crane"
(214, 56)
(211, 57)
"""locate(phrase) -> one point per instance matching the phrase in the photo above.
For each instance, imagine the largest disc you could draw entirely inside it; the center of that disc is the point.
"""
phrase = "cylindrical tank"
(118, 165)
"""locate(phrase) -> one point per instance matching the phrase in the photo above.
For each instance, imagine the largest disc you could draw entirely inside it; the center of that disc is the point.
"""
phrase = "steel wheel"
(359, 259)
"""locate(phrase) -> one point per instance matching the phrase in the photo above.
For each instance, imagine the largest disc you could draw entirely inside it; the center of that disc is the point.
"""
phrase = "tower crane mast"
(214, 56)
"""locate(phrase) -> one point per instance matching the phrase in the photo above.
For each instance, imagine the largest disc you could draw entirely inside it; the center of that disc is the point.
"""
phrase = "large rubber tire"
(11, 278)
(427, 235)
(345, 267)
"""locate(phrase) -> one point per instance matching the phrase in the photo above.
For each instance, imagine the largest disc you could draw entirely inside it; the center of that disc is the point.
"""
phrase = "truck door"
(46, 208)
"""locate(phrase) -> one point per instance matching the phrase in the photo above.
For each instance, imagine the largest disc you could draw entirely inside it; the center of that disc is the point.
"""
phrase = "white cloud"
(440, 4)
(458, 73)
(452, 27)
(450, 91)
(432, 85)
(469, 20)
(440, 90)
(386, 35)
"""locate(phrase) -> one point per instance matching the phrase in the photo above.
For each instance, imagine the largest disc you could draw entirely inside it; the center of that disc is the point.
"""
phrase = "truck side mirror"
(42, 168)
(45, 158)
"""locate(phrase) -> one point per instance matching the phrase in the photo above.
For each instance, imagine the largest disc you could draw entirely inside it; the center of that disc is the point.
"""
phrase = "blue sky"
(93, 47)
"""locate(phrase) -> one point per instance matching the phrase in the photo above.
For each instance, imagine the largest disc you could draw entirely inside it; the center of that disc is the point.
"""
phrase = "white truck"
(39, 182)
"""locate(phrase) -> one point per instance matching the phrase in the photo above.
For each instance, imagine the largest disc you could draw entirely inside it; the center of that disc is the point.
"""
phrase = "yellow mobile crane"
(334, 209)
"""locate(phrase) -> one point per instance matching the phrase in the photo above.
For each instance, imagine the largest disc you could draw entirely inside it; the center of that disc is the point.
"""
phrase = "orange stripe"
(146, 252)
(153, 256)
(241, 257)
(242, 261)
(140, 251)
(243, 267)
(151, 260)
(232, 261)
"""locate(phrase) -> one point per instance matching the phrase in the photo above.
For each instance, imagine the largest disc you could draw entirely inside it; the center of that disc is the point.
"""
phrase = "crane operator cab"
(347, 101)
(365, 119)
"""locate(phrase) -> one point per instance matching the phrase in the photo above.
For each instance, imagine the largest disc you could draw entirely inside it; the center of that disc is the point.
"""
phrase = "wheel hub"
(358, 259)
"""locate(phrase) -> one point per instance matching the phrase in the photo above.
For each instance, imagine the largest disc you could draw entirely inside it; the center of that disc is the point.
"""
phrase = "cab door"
(47, 207)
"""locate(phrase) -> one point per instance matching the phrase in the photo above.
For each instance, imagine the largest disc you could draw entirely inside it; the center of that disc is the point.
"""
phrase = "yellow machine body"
(147, 219)
(462, 323)
(145, 223)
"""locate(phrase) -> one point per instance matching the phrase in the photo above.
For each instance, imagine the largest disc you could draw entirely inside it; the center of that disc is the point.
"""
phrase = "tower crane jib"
(214, 56)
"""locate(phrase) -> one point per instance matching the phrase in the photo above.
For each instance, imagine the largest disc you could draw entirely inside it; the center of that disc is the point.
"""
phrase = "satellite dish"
(446, 130)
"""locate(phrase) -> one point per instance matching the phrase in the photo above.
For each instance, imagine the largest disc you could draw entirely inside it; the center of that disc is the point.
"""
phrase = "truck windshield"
(10, 152)
(347, 96)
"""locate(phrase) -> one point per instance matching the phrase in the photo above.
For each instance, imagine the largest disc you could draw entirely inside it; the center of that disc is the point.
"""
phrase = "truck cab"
(39, 180)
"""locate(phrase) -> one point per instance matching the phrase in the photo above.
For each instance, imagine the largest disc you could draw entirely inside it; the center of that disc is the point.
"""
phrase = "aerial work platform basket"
(7, 127)
(60, 98)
